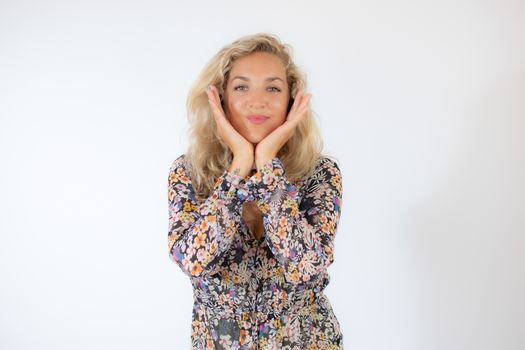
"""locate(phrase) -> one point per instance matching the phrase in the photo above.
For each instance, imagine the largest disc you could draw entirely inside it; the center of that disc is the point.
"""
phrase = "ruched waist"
(273, 304)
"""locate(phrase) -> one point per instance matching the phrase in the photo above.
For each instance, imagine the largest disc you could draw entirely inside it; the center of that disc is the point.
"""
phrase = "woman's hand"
(242, 149)
(267, 149)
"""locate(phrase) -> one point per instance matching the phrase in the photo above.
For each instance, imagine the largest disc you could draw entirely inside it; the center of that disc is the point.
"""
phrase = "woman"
(254, 206)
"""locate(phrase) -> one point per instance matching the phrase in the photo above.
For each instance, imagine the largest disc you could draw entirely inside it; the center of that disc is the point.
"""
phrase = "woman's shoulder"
(180, 162)
(325, 174)
(326, 164)
(326, 161)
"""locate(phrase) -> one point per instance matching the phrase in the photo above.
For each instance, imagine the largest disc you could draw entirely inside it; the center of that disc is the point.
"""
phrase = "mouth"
(257, 119)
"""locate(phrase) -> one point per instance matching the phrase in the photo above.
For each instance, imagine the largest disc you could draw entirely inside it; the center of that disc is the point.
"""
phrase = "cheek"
(280, 106)
(235, 106)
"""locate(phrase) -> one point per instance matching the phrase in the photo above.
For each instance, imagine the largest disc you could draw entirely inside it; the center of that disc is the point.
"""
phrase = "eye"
(244, 87)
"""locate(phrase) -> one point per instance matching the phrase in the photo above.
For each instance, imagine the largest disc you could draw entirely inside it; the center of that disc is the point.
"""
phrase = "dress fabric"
(254, 293)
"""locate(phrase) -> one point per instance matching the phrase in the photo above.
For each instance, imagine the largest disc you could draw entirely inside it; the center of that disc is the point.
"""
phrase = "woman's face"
(256, 96)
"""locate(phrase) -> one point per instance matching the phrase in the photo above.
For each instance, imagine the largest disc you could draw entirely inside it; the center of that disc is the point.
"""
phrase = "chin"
(255, 140)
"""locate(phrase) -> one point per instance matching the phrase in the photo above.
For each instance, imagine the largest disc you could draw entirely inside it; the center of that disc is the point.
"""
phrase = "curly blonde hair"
(207, 155)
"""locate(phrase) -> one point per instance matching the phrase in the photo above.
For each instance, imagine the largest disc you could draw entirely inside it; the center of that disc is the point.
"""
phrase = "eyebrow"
(247, 79)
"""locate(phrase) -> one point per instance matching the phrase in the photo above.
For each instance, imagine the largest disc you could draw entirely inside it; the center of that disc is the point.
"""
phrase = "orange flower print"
(294, 275)
(243, 337)
(200, 240)
(281, 232)
(283, 222)
(204, 225)
(213, 247)
(196, 268)
(263, 207)
(171, 194)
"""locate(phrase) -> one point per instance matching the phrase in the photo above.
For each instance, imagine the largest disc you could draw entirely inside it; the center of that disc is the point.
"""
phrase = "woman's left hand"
(267, 149)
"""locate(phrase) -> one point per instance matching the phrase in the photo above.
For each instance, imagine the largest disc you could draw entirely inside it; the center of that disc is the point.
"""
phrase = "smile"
(257, 119)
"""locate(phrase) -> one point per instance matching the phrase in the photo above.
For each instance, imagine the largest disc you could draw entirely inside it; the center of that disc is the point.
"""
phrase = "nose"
(257, 100)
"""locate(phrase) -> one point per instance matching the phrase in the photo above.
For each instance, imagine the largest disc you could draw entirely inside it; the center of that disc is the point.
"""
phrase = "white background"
(422, 102)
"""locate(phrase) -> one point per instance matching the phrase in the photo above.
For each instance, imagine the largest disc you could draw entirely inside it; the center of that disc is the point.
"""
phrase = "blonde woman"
(254, 206)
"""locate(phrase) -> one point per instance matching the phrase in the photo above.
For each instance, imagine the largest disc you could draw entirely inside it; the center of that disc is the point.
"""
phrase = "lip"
(257, 119)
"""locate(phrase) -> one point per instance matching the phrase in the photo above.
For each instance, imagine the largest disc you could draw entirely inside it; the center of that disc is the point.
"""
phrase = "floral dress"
(254, 293)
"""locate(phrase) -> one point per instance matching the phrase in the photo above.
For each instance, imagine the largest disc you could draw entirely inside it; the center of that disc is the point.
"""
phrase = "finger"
(214, 101)
(303, 103)
(304, 99)
(300, 104)
(210, 91)
(217, 115)
(300, 112)
(213, 106)
(211, 94)
(216, 95)
(301, 100)
(296, 101)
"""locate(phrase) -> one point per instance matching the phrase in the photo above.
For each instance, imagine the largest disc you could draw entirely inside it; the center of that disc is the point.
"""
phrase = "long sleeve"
(299, 232)
(199, 234)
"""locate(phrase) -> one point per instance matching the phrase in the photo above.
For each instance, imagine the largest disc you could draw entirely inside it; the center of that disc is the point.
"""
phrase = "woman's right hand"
(243, 150)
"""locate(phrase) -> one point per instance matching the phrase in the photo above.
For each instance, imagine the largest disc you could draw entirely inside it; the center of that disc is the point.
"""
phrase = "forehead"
(259, 64)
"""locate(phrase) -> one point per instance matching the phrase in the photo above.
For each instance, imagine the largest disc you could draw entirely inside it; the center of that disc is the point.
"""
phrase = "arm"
(300, 234)
(200, 234)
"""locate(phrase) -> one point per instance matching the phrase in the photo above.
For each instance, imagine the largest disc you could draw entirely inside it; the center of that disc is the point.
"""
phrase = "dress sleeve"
(299, 232)
(199, 234)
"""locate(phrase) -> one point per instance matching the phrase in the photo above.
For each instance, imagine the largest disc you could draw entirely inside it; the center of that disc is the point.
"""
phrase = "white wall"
(423, 102)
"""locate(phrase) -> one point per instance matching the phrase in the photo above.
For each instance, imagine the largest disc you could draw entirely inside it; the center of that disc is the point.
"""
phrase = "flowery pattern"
(254, 293)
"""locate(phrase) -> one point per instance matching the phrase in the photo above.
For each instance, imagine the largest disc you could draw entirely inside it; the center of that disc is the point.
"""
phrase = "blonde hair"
(207, 156)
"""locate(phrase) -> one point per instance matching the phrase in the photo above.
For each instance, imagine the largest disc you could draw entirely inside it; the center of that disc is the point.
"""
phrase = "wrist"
(241, 166)
(260, 161)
